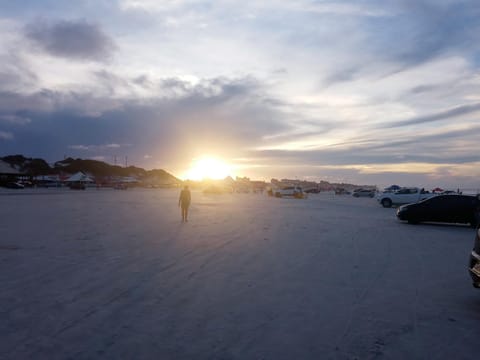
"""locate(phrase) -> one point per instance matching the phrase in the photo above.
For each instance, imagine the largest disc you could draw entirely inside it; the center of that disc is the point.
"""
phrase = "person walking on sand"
(184, 202)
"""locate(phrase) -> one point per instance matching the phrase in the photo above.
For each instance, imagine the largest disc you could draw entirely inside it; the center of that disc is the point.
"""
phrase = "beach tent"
(80, 177)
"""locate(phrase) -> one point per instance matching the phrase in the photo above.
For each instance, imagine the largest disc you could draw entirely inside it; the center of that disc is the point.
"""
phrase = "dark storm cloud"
(77, 40)
(13, 102)
(53, 101)
(216, 113)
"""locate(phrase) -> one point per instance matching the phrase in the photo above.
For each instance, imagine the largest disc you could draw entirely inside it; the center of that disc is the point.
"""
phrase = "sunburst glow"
(208, 168)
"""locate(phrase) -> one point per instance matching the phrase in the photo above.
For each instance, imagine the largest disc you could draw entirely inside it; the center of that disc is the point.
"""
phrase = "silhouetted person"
(184, 202)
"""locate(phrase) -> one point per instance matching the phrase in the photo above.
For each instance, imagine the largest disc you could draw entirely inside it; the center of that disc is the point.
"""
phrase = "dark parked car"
(364, 193)
(14, 185)
(463, 209)
(474, 266)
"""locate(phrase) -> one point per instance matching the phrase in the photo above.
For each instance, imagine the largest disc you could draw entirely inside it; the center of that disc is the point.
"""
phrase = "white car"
(403, 196)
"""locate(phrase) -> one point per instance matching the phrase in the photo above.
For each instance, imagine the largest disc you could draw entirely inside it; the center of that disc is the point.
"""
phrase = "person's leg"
(186, 213)
(183, 214)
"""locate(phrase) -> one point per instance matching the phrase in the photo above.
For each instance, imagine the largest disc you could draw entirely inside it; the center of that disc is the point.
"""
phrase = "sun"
(208, 168)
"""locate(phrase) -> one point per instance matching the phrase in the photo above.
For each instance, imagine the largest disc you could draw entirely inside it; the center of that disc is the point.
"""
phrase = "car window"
(435, 201)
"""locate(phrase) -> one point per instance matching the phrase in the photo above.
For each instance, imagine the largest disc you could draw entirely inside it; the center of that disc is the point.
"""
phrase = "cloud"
(177, 121)
(5, 135)
(45, 101)
(15, 119)
(74, 40)
(422, 30)
(251, 7)
(96, 147)
(15, 73)
(443, 115)
(227, 116)
(442, 146)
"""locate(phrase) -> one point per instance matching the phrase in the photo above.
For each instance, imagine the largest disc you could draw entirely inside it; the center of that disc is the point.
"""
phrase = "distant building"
(8, 173)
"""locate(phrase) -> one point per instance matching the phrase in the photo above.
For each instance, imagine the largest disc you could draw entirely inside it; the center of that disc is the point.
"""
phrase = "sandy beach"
(115, 275)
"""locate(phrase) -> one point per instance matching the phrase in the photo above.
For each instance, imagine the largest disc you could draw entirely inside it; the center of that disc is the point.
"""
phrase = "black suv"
(463, 209)
(474, 266)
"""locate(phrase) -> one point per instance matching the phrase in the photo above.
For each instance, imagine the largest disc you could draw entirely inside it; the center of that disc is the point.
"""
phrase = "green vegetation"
(99, 169)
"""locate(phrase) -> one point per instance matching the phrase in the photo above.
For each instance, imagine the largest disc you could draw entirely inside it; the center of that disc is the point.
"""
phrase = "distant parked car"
(26, 183)
(120, 186)
(463, 209)
(14, 185)
(293, 191)
(474, 265)
(364, 193)
(341, 191)
(77, 186)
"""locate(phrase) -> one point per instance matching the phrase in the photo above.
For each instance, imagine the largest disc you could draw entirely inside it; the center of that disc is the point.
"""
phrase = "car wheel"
(371, 195)
(355, 195)
(386, 203)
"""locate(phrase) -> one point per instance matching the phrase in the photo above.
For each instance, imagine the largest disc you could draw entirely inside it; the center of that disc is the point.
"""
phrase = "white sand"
(115, 275)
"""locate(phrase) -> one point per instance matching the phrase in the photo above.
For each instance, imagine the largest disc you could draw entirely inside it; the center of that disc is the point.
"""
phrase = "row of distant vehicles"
(417, 205)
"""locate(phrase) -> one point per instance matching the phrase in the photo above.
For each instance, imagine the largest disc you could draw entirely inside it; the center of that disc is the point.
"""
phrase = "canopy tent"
(80, 177)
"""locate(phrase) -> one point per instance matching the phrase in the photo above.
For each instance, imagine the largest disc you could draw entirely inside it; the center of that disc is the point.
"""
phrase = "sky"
(359, 91)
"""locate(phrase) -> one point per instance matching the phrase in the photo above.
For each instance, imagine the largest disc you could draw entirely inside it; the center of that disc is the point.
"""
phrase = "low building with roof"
(8, 173)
